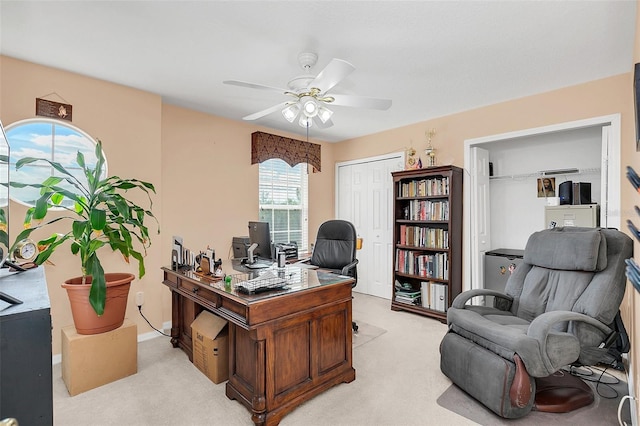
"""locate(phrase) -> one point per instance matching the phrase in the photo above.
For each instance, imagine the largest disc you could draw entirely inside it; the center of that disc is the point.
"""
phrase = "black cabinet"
(25, 349)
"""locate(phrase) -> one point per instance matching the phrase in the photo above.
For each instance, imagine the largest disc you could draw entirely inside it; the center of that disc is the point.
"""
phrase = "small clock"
(26, 250)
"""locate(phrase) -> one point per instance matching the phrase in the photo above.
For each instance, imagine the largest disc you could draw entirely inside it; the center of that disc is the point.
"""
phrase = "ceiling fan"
(310, 94)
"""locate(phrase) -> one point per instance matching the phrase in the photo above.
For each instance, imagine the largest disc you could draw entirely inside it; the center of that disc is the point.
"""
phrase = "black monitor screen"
(259, 234)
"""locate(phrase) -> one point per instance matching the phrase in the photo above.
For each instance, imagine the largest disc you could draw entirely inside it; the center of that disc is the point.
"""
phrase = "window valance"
(265, 146)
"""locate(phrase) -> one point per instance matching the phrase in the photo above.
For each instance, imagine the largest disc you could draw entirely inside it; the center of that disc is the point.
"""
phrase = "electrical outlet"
(140, 298)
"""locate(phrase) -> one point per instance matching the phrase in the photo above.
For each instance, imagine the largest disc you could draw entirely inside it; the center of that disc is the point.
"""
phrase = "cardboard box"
(209, 334)
(90, 361)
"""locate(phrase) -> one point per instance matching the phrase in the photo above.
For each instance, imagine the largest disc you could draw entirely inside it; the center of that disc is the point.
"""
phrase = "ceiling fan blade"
(332, 74)
(264, 112)
(254, 86)
(320, 124)
(361, 102)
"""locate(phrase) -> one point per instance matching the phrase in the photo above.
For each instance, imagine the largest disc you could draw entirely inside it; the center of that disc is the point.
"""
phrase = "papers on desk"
(266, 281)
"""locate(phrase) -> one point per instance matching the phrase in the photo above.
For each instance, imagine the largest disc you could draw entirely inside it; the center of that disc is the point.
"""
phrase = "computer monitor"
(260, 234)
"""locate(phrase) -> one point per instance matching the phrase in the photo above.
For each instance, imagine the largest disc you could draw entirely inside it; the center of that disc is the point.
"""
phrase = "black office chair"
(335, 250)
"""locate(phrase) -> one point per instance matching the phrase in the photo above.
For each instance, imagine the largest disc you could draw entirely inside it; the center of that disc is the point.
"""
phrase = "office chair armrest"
(465, 296)
(349, 267)
(542, 325)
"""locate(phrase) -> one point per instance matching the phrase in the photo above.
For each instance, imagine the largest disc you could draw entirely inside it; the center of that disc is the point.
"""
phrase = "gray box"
(499, 265)
(587, 215)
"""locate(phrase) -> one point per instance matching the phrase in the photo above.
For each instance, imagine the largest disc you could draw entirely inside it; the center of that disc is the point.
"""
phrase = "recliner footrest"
(487, 377)
(561, 393)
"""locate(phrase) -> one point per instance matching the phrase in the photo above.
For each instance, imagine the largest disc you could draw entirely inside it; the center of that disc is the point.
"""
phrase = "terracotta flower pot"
(85, 318)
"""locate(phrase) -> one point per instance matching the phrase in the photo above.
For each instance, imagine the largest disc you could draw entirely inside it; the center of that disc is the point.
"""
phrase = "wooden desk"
(285, 346)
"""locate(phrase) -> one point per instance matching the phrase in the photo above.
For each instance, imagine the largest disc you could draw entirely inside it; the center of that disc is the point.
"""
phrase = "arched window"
(51, 139)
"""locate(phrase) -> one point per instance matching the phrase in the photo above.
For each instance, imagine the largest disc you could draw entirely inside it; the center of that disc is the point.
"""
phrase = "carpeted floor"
(366, 333)
(398, 382)
(601, 413)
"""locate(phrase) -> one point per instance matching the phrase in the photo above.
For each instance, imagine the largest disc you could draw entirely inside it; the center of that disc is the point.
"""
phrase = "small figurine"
(411, 162)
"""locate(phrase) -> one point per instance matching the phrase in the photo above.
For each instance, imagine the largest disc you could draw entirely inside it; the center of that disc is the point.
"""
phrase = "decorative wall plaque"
(51, 109)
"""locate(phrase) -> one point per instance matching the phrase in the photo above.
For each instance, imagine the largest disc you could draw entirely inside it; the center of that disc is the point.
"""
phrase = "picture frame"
(546, 187)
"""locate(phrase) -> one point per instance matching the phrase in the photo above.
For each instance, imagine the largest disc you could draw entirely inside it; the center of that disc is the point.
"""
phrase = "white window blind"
(283, 199)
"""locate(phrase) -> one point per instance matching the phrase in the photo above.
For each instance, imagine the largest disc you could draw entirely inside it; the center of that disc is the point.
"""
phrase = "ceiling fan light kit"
(311, 94)
(291, 112)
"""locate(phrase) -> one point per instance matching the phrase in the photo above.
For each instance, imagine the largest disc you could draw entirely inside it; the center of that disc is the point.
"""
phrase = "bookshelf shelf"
(427, 259)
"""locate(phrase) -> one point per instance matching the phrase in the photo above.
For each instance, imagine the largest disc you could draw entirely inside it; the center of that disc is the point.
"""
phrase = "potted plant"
(99, 214)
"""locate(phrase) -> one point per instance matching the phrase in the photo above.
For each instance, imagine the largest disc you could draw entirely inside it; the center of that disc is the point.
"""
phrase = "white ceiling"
(431, 58)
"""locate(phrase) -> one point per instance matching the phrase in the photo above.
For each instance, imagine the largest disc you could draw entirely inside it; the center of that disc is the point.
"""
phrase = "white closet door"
(364, 197)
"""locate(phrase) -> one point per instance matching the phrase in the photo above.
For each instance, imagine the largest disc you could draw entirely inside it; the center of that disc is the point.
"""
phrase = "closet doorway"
(534, 144)
(364, 192)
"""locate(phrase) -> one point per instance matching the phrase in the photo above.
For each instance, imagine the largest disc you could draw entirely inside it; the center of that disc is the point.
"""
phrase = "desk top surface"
(29, 286)
(279, 282)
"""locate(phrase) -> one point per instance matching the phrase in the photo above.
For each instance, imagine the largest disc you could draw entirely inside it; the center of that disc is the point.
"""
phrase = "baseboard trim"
(57, 358)
(632, 390)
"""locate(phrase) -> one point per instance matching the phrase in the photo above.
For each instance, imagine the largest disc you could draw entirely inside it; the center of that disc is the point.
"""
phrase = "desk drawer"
(200, 293)
(170, 280)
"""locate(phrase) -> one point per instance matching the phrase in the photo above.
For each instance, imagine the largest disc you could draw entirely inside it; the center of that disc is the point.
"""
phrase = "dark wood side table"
(285, 345)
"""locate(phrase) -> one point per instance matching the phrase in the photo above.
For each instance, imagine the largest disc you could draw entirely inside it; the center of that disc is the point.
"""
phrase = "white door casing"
(481, 223)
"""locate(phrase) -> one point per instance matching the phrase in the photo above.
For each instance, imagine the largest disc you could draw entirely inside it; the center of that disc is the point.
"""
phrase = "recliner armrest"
(465, 296)
(541, 326)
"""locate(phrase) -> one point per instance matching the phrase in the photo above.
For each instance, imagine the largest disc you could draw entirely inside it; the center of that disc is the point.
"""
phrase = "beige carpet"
(398, 382)
(366, 333)
(602, 412)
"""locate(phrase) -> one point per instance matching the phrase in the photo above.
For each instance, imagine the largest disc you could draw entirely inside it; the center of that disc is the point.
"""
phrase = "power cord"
(586, 373)
(145, 318)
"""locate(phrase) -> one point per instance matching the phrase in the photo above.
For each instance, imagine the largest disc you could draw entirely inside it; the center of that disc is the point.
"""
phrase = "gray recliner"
(556, 311)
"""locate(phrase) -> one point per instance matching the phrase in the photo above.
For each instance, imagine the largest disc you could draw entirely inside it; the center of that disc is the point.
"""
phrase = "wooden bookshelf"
(427, 234)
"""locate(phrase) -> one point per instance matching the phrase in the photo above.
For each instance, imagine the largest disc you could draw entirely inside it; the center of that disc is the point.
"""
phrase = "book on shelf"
(438, 296)
(434, 265)
(408, 300)
(424, 187)
(424, 237)
(425, 294)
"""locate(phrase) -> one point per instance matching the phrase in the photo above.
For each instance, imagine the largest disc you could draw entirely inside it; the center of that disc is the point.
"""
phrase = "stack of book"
(405, 294)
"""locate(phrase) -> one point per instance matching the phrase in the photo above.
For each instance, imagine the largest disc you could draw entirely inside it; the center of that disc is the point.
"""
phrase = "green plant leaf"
(78, 228)
(98, 292)
(4, 238)
(42, 207)
(140, 259)
(80, 159)
(98, 219)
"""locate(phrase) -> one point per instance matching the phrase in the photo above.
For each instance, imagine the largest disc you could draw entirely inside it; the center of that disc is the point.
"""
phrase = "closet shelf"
(595, 170)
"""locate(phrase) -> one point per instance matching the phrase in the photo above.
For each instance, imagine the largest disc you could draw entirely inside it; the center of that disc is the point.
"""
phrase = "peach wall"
(210, 185)
(127, 121)
(596, 98)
